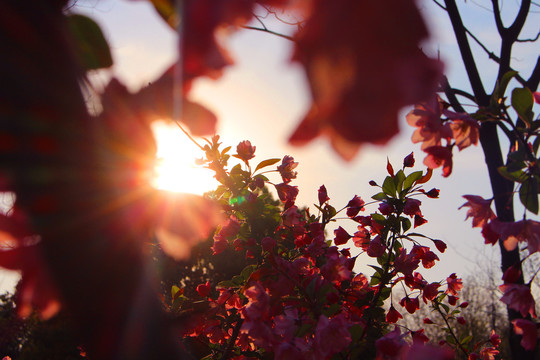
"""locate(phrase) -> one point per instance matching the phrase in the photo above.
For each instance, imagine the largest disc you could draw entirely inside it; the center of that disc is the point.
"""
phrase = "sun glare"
(176, 170)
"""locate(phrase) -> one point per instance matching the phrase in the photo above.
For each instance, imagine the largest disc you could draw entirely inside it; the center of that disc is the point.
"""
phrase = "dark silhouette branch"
(534, 79)
(466, 53)
(266, 30)
(497, 14)
(529, 40)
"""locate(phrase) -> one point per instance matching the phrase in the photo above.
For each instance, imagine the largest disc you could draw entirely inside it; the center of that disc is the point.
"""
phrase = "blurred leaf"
(517, 176)
(266, 163)
(528, 194)
(90, 45)
(522, 102)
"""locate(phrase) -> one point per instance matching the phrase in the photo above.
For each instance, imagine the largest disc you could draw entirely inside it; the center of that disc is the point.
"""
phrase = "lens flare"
(175, 166)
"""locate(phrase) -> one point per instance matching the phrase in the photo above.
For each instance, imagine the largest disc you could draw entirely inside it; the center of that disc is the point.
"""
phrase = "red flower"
(362, 238)
(287, 193)
(518, 297)
(408, 161)
(351, 105)
(286, 169)
(204, 289)
(323, 195)
(440, 245)
(454, 285)
(245, 151)
(419, 337)
(411, 305)
(480, 210)
(427, 256)
(439, 156)
(341, 236)
(461, 320)
(331, 335)
(528, 330)
(512, 274)
(392, 316)
(406, 264)
(412, 207)
(494, 339)
(489, 353)
(390, 345)
(355, 206)
(418, 221)
(430, 292)
(520, 231)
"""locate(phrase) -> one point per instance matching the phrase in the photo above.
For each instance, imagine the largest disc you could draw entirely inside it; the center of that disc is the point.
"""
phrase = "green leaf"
(466, 340)
(174, 290)
(266, 163)
(380, 196)
(247, 271)
(379, 218)
(411, 179)
(517, 176)
(389, 187)
(398, 180)
(522, 102)
(528, 194)
(91, 48)
(405, 223)
(501, 86)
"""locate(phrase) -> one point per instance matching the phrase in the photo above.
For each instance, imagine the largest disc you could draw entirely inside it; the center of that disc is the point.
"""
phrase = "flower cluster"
(298, 295)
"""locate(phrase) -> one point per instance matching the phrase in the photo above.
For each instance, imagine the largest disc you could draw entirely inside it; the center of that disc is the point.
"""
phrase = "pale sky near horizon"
(263, 97)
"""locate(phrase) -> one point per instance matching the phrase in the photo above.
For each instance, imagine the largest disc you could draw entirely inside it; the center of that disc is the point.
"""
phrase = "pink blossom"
(439, 156)
(245, 151)
(489, 353)
(291, 216)
(390, 345)
(331, 335)
(258, 306)
(479, 210)
(286, 169)
(287, 193)
(528, 331)
(518, 297)
(465, 129)
(350, 105)
(454, 285)
(494, 338)
(427, 118)
(419, 351)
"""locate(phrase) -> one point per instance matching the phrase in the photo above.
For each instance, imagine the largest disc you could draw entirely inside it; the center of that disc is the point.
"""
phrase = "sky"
(263, 96)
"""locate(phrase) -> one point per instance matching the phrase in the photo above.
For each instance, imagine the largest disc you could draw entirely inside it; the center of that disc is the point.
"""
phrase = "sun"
(175, 167)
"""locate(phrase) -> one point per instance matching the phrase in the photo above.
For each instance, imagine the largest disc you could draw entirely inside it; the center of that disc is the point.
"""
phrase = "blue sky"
(263, 97)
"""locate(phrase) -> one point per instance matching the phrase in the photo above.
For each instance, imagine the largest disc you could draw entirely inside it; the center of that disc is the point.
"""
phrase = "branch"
(534, 79)
(529, 40)
(269, 31)
(516, 27)
(466, 53)
(497, 14)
